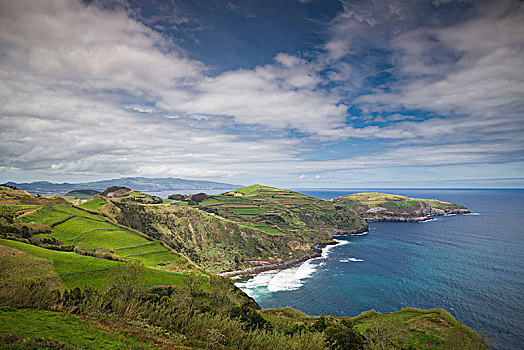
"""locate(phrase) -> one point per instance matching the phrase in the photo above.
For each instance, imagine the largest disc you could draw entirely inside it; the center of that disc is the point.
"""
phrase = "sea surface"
(471, 265)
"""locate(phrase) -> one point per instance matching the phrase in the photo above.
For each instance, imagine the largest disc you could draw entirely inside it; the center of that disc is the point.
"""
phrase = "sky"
(289, 93)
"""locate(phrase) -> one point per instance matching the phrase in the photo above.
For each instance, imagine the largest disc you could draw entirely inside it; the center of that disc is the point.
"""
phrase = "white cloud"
(85, 90)
(480, 74)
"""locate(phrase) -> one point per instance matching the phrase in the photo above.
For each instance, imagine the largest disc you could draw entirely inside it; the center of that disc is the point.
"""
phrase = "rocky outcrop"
(410, 216)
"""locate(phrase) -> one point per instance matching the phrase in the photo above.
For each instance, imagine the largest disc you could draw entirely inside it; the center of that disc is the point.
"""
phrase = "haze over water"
(470, 265)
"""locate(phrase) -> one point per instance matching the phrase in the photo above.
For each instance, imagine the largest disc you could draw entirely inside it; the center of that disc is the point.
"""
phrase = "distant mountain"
(144, 184)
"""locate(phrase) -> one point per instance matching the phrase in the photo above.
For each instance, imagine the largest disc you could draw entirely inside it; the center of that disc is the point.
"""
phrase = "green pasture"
(80, 271)
(247, 211)
(404, 203)
(94, 204)
(15, 209)
(47, 215)
(74, 226)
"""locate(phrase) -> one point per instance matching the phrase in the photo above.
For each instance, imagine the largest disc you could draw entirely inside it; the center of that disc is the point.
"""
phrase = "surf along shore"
(318, 250)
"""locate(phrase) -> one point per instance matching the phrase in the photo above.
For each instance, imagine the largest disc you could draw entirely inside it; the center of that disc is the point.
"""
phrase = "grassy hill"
(38, 329)
(390, 207)
(280, 211)
(253, 226)
(218, 244)
(73, 226)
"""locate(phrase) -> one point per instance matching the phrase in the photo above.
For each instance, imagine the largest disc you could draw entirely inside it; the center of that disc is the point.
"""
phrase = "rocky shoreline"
(317, 248)
(407, 217)
(317, 252)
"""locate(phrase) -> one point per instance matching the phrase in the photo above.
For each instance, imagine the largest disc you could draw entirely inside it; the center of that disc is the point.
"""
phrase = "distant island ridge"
(145, 184)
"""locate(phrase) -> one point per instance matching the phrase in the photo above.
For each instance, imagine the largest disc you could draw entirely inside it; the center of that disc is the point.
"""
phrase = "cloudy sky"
(294, 93)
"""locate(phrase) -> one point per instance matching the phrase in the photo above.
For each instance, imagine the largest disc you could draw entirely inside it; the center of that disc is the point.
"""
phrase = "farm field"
(278, 211)
(73, 226)
(73, 270)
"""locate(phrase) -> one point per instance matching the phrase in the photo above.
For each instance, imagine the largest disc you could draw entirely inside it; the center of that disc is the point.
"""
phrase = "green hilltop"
(129, 270)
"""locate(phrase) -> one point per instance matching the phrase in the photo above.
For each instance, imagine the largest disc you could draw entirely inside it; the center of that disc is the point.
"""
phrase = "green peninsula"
(390, 207)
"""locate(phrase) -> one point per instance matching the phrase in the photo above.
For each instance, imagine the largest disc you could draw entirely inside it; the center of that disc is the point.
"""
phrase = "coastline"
(317, 249)
(317, 253)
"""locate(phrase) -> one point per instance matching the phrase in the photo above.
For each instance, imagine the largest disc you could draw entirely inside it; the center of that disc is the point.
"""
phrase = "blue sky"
(311, 93)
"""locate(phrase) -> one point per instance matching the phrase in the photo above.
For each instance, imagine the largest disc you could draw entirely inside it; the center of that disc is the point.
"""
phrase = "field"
(73, 270)
(93, 204)
(73, 226)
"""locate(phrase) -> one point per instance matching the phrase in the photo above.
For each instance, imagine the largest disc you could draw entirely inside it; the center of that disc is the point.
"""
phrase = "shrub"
(342, 336)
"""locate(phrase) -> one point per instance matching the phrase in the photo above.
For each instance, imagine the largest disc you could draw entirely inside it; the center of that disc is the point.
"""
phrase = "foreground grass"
(69, 330)
(76, 270)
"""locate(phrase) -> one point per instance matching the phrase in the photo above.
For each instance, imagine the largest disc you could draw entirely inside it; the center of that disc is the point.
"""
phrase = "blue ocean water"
(471, 265)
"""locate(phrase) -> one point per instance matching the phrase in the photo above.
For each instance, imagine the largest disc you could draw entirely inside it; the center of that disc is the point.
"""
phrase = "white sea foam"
(430, 219)
(288, 279)
(291, 279)
(350, 259)
(260, 280)
(360, 234)
(327, 249)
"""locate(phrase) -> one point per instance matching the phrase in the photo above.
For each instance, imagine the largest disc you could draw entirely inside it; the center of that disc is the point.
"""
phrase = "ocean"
(471, 265)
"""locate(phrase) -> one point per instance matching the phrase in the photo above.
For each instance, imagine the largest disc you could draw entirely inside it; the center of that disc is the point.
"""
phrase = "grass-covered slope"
(73, 226)
(215, 243)
(410, 328)
(68, 228)
(390, 207)
(35, 329)
(21, 261)
(283, 212)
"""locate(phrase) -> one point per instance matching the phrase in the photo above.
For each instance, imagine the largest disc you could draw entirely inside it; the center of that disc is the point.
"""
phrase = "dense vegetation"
(208, 312)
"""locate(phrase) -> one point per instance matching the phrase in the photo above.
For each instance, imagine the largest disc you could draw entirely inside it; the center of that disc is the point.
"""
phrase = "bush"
(342, 336)
(199, 197)
(177, 197)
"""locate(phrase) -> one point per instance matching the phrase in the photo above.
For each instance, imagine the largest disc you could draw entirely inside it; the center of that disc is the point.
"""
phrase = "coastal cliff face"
(216, 243)
(387, 207)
